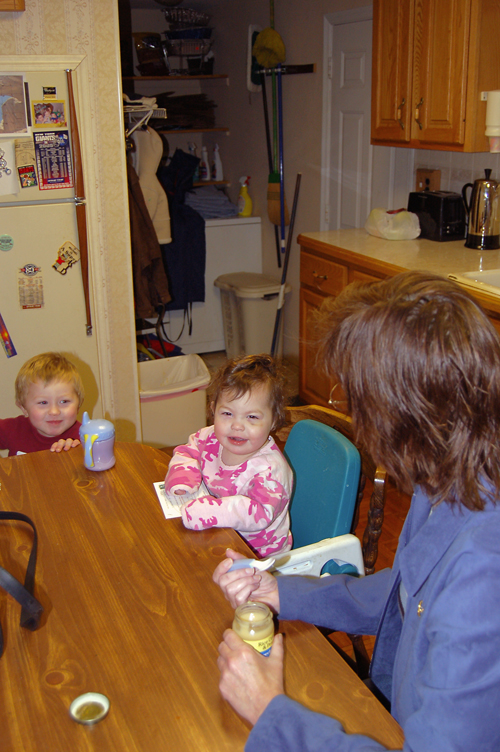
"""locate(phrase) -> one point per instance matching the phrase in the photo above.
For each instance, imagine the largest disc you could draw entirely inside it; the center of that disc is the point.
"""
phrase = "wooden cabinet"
(323, 272)
(326, 267)
(431, 61)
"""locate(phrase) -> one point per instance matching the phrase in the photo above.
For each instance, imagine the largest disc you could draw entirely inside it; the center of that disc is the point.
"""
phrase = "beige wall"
(90, 27)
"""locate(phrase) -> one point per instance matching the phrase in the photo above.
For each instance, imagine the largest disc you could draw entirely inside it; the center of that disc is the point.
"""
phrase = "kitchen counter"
(389, 257)
(424, 255)
(331, 260)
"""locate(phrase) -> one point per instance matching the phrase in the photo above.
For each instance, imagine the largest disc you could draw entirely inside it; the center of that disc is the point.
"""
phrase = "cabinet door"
(392, 70)
(314, 385)
(441, 43)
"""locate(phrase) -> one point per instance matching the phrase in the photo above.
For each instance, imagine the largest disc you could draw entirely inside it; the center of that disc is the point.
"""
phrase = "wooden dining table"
(131, 611)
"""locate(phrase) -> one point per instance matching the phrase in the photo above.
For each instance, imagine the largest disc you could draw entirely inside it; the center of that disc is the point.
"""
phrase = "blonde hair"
(47, 367)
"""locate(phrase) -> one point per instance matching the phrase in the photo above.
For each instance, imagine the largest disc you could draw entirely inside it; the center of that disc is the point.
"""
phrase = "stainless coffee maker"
(483, 211)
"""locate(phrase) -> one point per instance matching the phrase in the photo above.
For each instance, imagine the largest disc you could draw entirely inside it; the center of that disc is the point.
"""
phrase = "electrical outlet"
(428, 180)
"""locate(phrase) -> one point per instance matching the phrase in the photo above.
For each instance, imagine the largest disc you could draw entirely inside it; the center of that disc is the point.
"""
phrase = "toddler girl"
(248, 480)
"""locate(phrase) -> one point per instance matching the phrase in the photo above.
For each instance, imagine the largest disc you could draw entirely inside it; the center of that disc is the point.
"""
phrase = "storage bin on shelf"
(249, 303)
(172, 393)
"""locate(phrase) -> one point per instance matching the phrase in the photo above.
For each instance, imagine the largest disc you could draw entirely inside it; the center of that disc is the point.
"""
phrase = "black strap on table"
(31, 609)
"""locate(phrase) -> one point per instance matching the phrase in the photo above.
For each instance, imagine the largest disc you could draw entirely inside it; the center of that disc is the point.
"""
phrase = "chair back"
(327, 469)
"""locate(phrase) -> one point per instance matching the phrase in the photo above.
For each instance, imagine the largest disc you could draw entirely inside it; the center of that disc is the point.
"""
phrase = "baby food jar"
(253, 622)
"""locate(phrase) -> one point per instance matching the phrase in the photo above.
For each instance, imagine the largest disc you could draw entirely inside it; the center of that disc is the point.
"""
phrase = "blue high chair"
(327, 470)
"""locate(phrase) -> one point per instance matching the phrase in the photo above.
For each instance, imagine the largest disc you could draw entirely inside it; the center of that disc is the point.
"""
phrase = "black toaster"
(441, 214)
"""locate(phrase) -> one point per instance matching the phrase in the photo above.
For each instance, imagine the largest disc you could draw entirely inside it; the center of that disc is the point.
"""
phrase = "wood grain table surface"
(131, 611)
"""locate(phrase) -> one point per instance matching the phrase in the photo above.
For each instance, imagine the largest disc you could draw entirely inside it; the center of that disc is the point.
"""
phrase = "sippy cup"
(98, 438)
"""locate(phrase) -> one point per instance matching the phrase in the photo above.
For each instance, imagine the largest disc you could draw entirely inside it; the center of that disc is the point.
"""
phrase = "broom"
(269, 50)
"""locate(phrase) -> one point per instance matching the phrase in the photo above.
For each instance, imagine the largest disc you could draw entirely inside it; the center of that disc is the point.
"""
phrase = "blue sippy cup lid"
(100, 427)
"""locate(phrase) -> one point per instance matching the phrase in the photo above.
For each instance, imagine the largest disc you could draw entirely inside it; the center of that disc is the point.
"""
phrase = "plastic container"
(249, 303)
(217, 171)
(204, 166)
(172, 393)
(245, 204)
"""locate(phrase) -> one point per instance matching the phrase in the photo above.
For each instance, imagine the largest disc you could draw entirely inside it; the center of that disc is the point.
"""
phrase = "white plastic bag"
(401, 225)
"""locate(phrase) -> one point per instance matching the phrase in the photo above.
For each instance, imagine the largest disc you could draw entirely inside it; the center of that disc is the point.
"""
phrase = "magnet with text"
(30, 287)
(6, 242)
(68, 255)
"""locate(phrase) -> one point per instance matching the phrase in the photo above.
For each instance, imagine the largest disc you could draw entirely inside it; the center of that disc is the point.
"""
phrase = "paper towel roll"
(493, 114)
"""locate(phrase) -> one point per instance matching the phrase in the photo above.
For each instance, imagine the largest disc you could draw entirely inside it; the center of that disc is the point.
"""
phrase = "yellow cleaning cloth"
(269, 49)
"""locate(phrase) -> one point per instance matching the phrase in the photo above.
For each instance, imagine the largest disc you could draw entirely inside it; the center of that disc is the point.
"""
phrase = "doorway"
(347, 155)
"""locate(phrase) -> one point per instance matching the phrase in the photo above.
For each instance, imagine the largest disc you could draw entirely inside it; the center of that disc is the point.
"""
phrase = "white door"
(347, 153)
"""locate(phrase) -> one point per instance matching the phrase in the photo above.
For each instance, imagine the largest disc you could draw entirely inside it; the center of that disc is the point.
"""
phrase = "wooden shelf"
(201, 183)
(173, 131)
(186, 77)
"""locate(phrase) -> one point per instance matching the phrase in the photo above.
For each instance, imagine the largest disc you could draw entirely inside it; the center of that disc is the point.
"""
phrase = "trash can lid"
(250, 284)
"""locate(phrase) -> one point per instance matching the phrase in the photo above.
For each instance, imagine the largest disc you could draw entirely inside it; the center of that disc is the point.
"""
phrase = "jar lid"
(89, 708)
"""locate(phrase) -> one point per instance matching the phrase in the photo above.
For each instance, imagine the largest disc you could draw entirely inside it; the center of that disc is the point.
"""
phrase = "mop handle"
(281, 298)
(281, 166)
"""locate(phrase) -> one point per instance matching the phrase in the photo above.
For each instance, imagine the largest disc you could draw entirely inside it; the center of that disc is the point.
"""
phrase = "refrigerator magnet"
(6, 340)
(6, 242)
(68, 255)
(50, 114)
(30, 287)
(25, 162)
(49, 92)
(53, 160)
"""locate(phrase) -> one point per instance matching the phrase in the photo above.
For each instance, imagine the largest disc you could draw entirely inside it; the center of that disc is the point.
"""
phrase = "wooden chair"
(370, 471)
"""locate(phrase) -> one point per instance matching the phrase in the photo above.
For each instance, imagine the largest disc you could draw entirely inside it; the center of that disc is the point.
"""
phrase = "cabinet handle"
(319, 276)
(399, 115)
(417, 113)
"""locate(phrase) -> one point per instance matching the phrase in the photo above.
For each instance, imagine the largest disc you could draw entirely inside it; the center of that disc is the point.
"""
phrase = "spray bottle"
(244, 200)
(217, 172)
(204, 168)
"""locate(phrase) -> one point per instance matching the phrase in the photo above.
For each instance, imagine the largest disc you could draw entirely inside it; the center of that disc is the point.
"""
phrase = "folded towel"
(211, 202)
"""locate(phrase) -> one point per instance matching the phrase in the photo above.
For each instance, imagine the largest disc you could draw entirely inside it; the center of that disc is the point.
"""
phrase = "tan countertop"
(368, 253)
(424, 255)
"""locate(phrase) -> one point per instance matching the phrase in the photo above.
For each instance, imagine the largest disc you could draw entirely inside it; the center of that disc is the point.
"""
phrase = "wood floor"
(396, 509)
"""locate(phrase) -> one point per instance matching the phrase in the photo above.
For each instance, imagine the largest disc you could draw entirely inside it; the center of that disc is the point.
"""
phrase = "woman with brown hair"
(419, 362)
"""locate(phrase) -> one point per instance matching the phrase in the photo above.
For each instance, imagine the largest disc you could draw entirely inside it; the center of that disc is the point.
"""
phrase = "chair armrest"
(309, 560)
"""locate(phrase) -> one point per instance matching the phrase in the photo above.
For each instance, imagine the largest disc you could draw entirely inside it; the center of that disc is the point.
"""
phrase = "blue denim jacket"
(439, 665)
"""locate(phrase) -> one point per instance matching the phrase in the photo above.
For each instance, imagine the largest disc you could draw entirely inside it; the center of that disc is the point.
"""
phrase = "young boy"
(248, 480)
(49, 392)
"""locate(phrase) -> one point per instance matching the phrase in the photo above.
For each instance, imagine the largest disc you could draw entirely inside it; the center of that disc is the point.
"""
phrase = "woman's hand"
(244, 585)
(248, 680)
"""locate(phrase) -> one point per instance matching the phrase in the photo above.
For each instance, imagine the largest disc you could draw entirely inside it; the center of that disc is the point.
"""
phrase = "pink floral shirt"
(252, 498)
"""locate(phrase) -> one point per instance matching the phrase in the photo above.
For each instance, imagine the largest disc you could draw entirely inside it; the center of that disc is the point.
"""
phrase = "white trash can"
(172, 393)
(249, 303)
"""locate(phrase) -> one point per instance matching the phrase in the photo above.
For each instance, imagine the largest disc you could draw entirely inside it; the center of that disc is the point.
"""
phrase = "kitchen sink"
(488, 281)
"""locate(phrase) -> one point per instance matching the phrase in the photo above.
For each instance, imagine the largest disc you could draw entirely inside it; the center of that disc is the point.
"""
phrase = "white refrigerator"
(41, 308)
